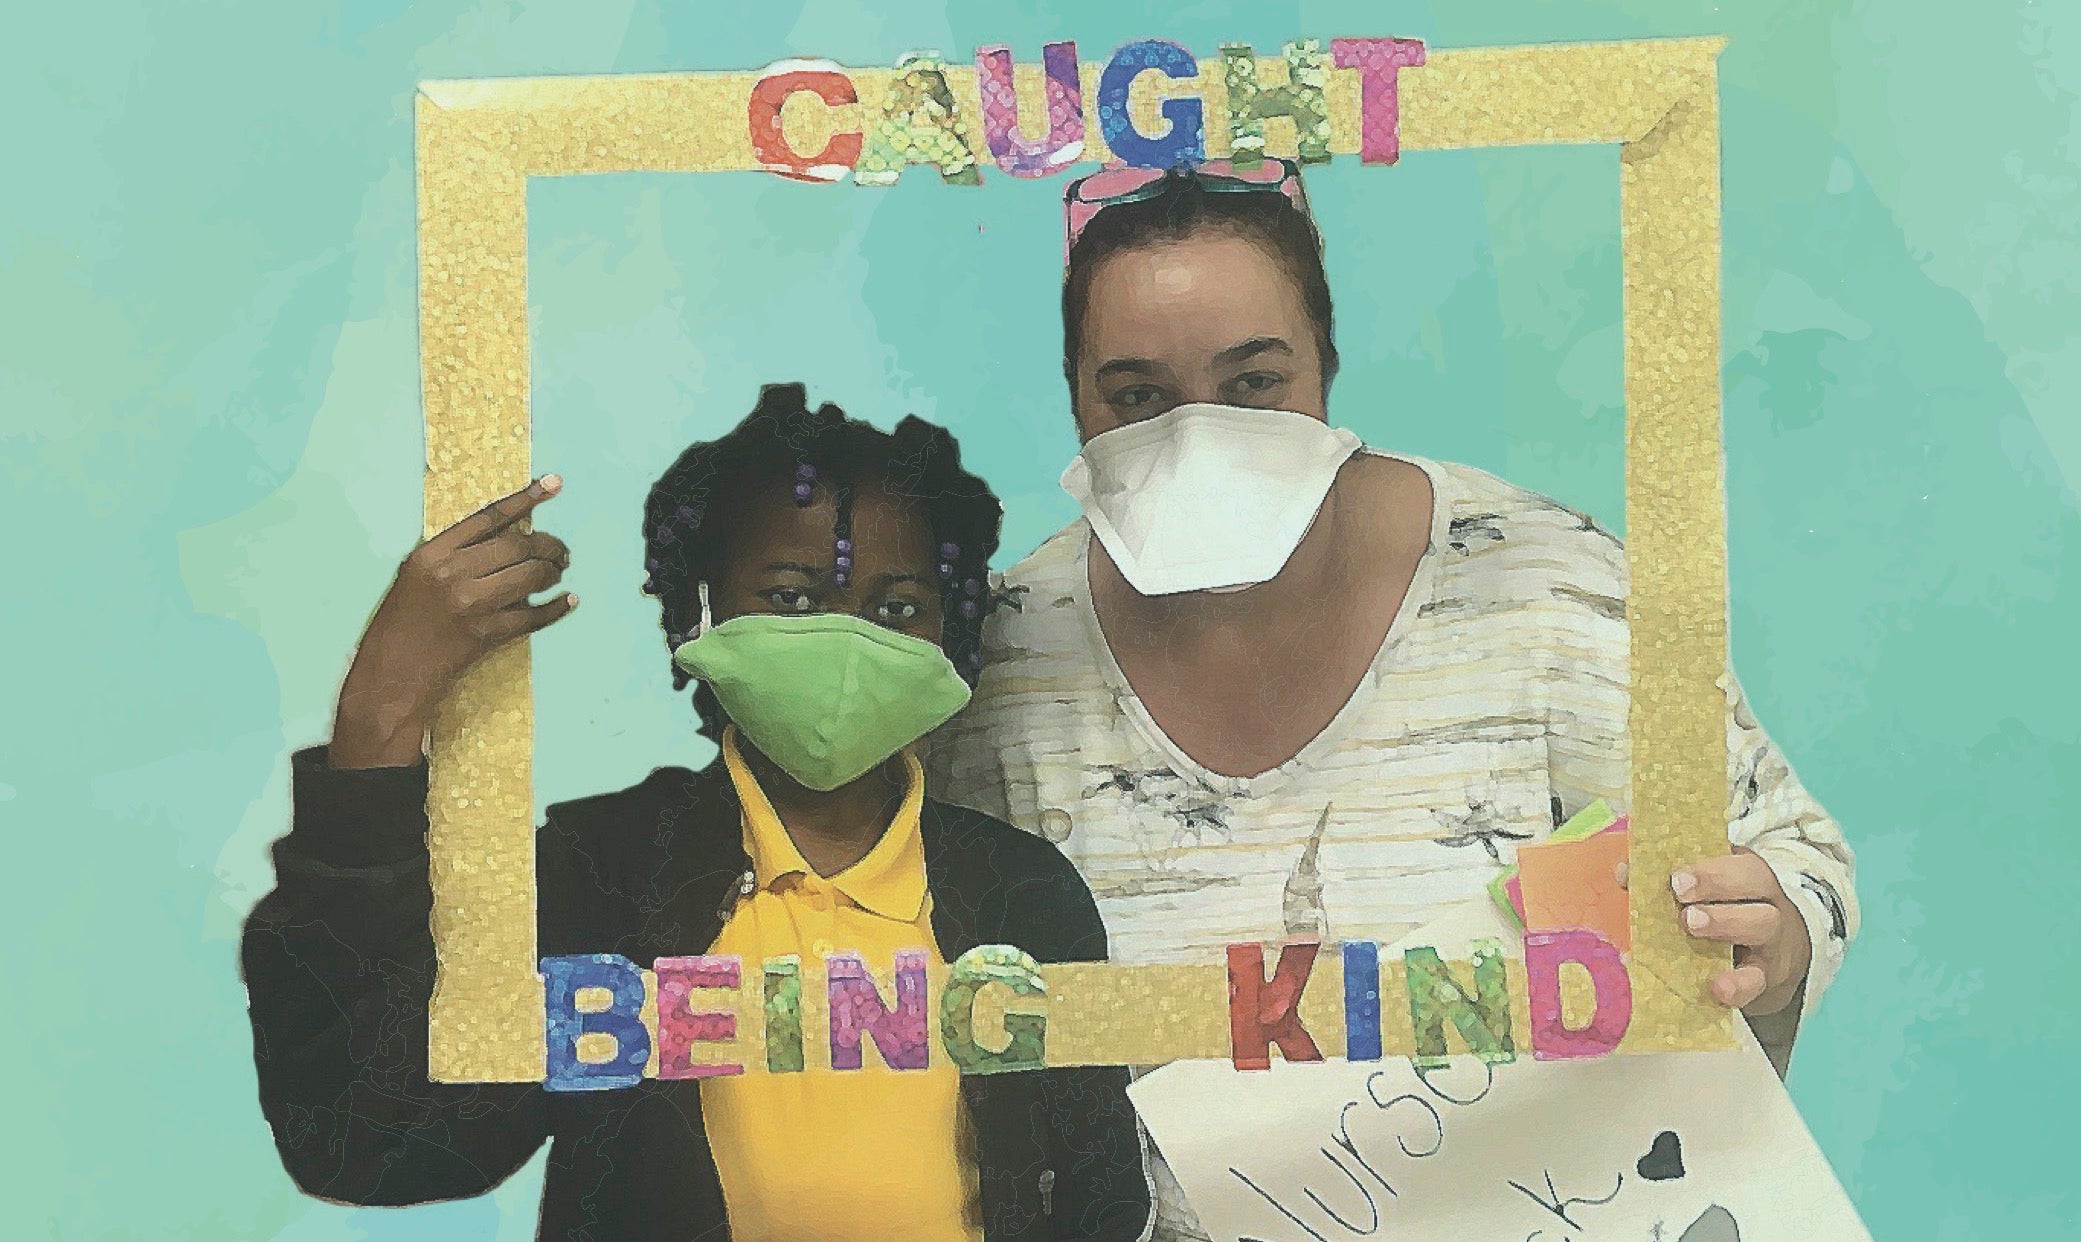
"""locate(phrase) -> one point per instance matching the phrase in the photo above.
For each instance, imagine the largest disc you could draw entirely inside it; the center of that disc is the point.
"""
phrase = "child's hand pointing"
(456, 597)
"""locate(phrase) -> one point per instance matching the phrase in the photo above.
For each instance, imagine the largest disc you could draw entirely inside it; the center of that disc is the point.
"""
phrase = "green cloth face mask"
(828, 696)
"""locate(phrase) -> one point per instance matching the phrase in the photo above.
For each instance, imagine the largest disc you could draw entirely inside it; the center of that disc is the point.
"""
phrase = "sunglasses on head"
(1110, 187)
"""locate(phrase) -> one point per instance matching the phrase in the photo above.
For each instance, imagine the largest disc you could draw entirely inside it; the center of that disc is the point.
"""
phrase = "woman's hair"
(785, 453)
(1183, 208)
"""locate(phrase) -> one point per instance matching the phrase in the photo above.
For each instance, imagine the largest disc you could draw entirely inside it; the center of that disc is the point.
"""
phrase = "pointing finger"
(499, 514)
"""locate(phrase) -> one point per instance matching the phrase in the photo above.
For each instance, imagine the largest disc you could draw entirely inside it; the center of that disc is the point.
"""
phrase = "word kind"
(1266, 1012)
(918, 119)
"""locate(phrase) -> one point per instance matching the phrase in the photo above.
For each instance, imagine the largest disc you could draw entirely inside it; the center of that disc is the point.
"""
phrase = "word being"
(598, 998)
(918, 119)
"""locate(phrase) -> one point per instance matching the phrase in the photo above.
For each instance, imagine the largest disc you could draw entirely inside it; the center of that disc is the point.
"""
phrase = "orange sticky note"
(1575, 884)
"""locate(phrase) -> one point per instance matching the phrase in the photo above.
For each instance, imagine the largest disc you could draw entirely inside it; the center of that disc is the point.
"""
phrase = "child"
(825, 583)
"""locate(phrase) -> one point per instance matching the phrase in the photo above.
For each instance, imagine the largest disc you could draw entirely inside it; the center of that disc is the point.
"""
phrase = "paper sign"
(1575, 884)
(1682, 1147)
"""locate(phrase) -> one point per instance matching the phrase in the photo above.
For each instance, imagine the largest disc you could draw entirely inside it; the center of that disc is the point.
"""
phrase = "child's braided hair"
(784, 452)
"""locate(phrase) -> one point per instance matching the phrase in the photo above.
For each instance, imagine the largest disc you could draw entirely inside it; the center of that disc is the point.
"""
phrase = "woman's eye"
(896, 611)
(1137, 397)
(1257, 383)
(790, 599)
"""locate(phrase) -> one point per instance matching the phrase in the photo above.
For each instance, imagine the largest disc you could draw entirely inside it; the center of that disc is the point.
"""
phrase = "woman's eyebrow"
(1127, 366)
(807, 571)
(1251, 348)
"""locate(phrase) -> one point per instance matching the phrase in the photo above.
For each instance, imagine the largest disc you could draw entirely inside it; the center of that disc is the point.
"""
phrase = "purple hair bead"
(949, 550)
(805, 473)
(972, 588)
(802, 493)
(969, 609)
(845, 546)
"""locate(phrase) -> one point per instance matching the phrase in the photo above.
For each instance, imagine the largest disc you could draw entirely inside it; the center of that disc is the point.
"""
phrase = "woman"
(823, 581)
(1277, 682)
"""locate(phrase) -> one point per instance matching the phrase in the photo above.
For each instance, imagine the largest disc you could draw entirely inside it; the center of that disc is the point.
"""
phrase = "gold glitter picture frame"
(478, 142)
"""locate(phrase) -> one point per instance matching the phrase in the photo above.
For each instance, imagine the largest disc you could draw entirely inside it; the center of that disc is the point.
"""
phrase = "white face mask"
(1206, 496)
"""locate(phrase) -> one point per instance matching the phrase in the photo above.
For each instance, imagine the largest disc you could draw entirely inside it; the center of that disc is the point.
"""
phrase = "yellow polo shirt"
(826, 1155)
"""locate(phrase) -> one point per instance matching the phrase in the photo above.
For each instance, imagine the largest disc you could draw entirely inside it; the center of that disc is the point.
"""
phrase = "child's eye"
(896, 611)
(789, 599)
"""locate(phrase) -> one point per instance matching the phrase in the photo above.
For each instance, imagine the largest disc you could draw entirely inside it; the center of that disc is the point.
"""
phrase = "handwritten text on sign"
(1682, 1147)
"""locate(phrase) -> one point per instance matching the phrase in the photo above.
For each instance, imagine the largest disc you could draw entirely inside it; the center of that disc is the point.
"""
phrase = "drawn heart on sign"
(1664, 1161)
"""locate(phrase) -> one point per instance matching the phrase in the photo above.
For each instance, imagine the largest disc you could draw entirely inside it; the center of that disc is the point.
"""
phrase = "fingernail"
(552, 483)
(1625, 872)
(1681, 883)
(571, 600)
(1696, 919)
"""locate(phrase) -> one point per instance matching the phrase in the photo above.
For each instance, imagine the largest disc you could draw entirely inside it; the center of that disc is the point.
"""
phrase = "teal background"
(208, 391)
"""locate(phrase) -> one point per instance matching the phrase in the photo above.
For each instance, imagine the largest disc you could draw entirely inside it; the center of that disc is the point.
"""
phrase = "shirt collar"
(889, 880)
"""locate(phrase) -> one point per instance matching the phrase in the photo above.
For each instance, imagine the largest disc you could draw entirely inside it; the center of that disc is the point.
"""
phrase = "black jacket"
(339, 966)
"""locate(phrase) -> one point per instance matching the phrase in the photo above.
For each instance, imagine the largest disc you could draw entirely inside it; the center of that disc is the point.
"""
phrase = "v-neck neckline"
(1421, 592)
